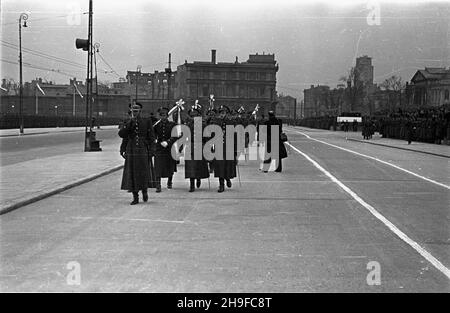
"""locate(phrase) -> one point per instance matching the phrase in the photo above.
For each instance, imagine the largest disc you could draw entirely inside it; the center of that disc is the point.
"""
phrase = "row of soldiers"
(147, 145)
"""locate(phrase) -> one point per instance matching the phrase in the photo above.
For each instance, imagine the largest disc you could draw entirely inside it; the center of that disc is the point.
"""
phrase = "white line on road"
(376, 159)
(126, 219)
(430, 258)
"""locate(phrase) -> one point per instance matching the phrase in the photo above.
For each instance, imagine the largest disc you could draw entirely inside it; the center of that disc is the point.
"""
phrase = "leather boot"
(228, 183)
(199, 182)
(158, 184)
(192, 186)
(169, 183)
(135, 198)
(221, 185)
(145, 195)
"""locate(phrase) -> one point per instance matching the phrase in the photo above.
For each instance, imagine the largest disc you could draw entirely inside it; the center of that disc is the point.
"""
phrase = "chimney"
(213, 56)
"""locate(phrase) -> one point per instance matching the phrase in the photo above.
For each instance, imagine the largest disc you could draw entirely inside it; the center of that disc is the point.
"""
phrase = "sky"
(314, 42)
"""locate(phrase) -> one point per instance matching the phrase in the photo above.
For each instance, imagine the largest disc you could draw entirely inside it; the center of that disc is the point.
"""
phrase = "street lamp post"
(169, 74)
(138, 72)
(23, 17)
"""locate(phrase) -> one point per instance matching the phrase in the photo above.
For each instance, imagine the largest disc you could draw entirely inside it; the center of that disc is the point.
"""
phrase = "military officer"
(137, 140)
(165, 165)
(195, 170)
(224, 169)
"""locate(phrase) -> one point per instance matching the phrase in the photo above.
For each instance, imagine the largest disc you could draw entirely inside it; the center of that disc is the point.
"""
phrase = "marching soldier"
(137, 140)
(165, 165)
(224, 169)
(195, 170)
(282, 153)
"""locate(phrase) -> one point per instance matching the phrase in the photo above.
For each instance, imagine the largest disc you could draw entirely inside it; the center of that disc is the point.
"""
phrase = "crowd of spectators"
(425, 125)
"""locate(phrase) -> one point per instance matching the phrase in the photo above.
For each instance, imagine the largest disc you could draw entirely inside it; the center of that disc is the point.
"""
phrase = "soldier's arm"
(150, 135)
(125, 129)
(123, 146)
(170, 141)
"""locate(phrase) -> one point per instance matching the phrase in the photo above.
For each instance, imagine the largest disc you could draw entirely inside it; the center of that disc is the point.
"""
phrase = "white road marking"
(430, 258)
(126, 219)
(376, 159)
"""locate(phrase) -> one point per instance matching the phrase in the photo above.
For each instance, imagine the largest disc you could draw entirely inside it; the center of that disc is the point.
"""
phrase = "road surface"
(307, 229)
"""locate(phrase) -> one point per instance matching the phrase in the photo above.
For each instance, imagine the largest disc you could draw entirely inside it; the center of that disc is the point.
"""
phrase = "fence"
(9, 121)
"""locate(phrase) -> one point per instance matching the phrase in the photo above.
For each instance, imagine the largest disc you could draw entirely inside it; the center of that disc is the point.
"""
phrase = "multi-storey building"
(316, 100)
(364, 71)
(286, 107)
(429, 88)
(233, 84)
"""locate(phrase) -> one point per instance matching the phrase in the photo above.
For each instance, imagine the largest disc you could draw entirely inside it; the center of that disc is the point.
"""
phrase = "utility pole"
(90, 143)
(138, 72)
(73, 99)
(169, 73)
(295, 110)
(24, 17)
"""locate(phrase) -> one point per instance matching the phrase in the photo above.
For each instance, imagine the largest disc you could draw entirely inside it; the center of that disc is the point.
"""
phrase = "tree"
(355, 88)
(395, 84)
(10, 84)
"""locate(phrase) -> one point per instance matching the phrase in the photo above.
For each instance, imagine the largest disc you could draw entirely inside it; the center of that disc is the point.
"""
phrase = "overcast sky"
(314, 42)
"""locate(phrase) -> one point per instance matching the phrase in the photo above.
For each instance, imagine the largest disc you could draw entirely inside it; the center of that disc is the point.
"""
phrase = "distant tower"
(364, 70)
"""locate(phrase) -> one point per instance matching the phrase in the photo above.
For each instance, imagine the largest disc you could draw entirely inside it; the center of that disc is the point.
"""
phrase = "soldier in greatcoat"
(137, 140)
(165, 164)
(282, 153)
(224, 169)
(195, 169)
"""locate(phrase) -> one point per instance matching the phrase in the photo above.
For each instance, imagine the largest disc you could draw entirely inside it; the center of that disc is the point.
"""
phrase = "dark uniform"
(409, 130)
(281, 148)
(165, 165)
(195, 170)
(224, 169)
(137, 139)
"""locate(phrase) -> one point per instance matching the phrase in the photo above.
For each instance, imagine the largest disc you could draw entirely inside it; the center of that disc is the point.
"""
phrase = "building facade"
(316, 100)
(364, 71)
(429, 88)
(234, 84)
(286, 107)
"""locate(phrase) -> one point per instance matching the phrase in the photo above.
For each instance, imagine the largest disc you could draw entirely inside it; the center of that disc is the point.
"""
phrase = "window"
(230, 91)
(205, 91)
(447, 94)
(262, 91)
(262, 76)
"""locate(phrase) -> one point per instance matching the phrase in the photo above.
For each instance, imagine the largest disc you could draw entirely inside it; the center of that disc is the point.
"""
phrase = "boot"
(192, 186)
(228, 183)
(199, 182)
(158, 184)
(135, 198)
(145, 195)
(169, 182)
(221, 185)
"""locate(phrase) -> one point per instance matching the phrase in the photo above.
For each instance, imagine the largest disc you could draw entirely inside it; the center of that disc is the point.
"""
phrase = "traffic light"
(82, 44)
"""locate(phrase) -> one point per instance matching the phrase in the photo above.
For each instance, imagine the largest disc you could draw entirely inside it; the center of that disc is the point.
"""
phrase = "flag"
(78, 91)
(40, 89)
